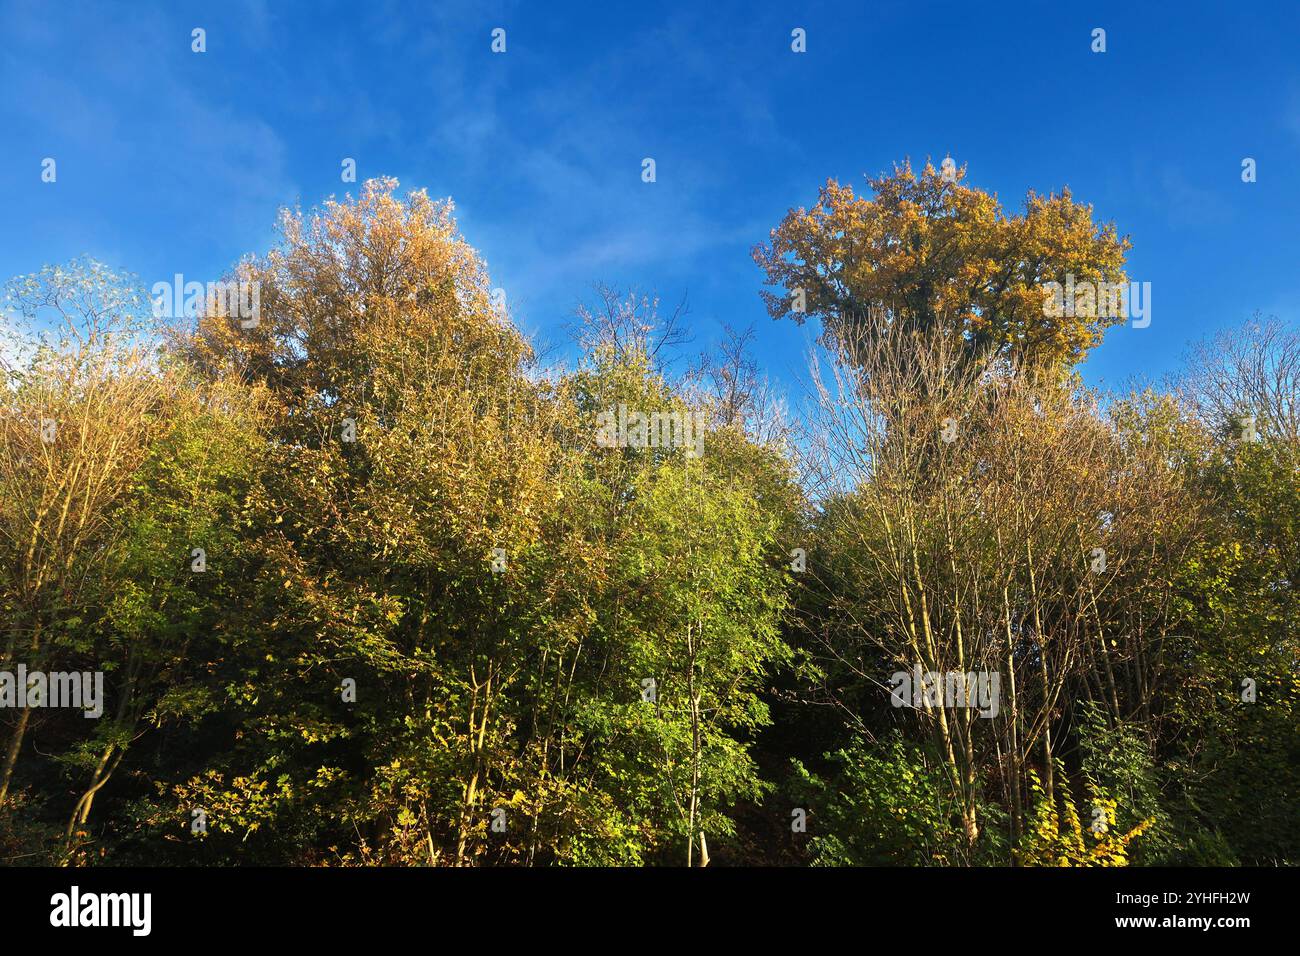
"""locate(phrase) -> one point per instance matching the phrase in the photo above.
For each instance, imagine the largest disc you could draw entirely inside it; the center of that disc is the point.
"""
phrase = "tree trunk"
(11, 755)
(16, 741)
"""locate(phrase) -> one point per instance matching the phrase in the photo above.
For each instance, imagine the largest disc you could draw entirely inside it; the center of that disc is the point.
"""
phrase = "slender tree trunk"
(1013, 725)
(20, 731)
(11, 754)
(477, 737)
(81, 812)
(695, 753)
(1049, 775)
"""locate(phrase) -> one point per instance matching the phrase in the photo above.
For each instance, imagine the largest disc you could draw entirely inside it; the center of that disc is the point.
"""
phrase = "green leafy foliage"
(436, 621)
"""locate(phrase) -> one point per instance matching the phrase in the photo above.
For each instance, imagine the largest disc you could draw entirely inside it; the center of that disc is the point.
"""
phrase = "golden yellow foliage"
(1056, 837)
(928, 251)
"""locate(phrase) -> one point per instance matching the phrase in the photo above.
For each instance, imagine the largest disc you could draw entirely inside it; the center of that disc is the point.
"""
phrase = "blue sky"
(171, 161)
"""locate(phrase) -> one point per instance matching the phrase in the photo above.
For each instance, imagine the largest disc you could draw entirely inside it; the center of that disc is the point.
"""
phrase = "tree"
(984, 515)
(83, 402)
(928, 251)
(1244, 380)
